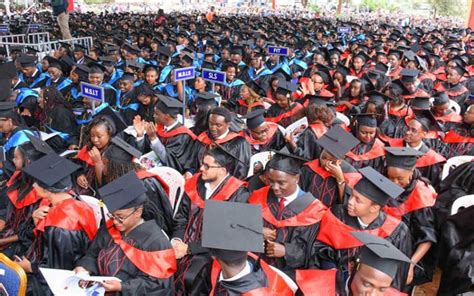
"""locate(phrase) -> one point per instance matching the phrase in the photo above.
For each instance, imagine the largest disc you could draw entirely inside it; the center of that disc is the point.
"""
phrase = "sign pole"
(184, 101)
(213, 87)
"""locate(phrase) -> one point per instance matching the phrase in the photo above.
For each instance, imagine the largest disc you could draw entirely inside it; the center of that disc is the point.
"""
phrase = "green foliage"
(98, 1)
(375, 5)
(313, 7)
(449, 7)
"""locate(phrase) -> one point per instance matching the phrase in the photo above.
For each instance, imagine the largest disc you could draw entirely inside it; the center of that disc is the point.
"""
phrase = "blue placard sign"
(214, 76)
(92, 92)
(184, 73)
(282, 51)
(344, 30)
(34, 27)
(4, 28)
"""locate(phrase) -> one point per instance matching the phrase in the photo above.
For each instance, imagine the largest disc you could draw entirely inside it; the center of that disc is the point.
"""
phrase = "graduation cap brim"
(110, 114)
(120, 143)
(40, 145)
(51, 169)
(427, 120)
(286, 162)
(337, 142)
(377, 187)
(125, 192)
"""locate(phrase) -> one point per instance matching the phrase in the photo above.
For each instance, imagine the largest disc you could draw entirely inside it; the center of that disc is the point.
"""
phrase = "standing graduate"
(167, 137)
(262, 135)
(137, 252)
(335, 247)
(235, 271)
(219, 133)
(214, 182)
(64, 226)
(415, 207)
(290, 215)
(327, 176)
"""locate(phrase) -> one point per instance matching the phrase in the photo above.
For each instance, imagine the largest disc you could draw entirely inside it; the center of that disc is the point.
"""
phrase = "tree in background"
(448, 7)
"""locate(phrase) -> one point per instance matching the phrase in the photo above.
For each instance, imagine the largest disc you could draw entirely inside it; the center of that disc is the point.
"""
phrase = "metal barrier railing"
(26, 38)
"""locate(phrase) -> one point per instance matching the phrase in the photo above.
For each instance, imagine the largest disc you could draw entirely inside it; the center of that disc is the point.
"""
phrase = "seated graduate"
(219, 132)
(284, 111)
(137, 252)
(230, 231)
(64, 226)
(262, 135)
(375, 267)
(335, 246)
(460, 140)
(167, 137)
(117, 159)
(290, 215)
(214, 182)
(415, 207)
(22, 200)
(370, 151)
(327, 177)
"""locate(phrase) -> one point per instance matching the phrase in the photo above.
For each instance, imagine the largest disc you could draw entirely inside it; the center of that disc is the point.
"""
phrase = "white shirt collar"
(210, 191)
(223, 135)
(417, 147)
(36, 71)
(172, 126)
(247, 270)
(292, 197)
(362, 224)
(16, 84)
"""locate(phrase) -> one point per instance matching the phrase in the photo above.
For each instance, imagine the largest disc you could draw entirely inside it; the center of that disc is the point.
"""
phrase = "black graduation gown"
(457, 253)
(277, 142)
(431, 172)
(192, 277)
(421, 222)
(231, 94)
(146, 112)
(458, 93)
(394, 125)
(63, 120)
(307, 145)
(296, 239)
(371, 154)
(255, 183)
(323, 186)
(275, 110)
(328, 256)
(237, 146)
(455, 145)
(105, 258)
(38, 84)
(126, 112)
(65, 90)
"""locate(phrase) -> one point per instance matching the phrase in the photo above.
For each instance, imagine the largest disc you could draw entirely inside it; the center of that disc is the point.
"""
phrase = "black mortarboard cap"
(8, 70)
(409, 75)
(7, 109)
(82, 71)
(51, 171)
(27, 60)
(40, 145)
(377, 96)
(236, 50)
(422, 103)
(132, 49)
(169, 105)
(366, 119)
(230, 230)
(112, 117)
(286, 87)
(440, 98)
(427, 120)
(164, 51)
(255, 118)
(380, 254)
(79, 47)
(286, 162)
(222, 156)
(206, 98)
(396, 52)
(96, 68)
(128, 76)
(135, 65)
(121, 151)
(342, 69)
(460, 69)
(363, 55)
(337, 142)
(402, 157)
(377, 187)
(123, 193)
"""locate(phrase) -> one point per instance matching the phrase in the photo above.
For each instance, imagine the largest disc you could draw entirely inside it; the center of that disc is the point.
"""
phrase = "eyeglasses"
(207, 167)
(118, 219)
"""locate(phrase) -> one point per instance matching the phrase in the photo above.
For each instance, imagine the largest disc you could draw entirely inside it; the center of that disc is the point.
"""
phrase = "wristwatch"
(342, 182)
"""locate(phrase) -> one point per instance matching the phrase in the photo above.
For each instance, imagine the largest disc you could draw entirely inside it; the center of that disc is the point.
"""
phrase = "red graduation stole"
(403, 112)
(317, 282)
(160, 130)
(395, 73)
(297, 107)
(451, 117)
(377, 150)
(350, 178)
(337, 234)
(427, 75)
(29, 199)
(276, 284)
(309, 216)
(451, 93)
(229, 188)
(70, 214)
(146, 174)
(204, 138)
(452, 137)
(272, 128)
(242, 102)
(422, 196)
(342, 108)
(419, 93)
(430, 158)
(318, 129)
(159, 264)
(83, 155)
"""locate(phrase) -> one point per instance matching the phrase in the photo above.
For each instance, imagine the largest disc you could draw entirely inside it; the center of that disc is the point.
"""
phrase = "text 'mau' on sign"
(4, 28)
(92, 92)
(184, 73)
(282, 51)
(214, 76)
(344, 30)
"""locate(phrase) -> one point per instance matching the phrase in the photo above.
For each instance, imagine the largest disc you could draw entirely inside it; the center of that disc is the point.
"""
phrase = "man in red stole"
(230, 231)
(137, 252)
(213, 182)
(262, 135)
(290, 215)
(335, 246)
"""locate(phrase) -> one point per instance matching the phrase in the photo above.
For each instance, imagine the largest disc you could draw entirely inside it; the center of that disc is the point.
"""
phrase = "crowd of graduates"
(386, 107)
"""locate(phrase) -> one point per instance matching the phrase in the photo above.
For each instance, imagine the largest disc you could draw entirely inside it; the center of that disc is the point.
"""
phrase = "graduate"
(284, 111)
(213, 182)
(290, 215)
(335, 247)
(415, 207)
(460, 140)
(394, 125)
(64, 226)
(328, 176)
(453, 85)
(370, 151)
(219, 133)
(57, 71)
(30, 74)
(409, 85)
(443, 113)
(234, 270)
(147, 261)
(262, 135)
(167, 137)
